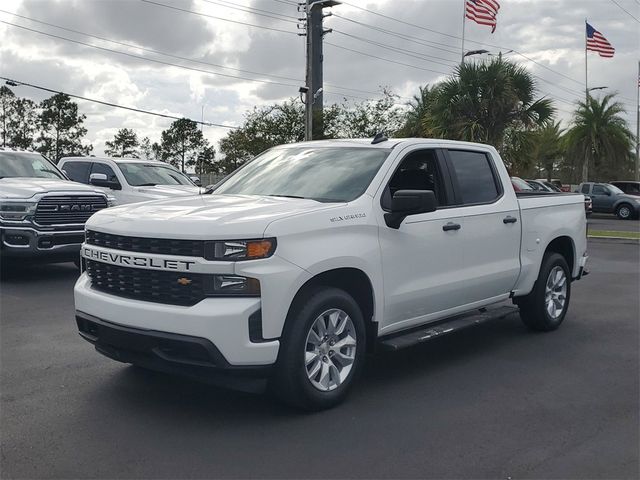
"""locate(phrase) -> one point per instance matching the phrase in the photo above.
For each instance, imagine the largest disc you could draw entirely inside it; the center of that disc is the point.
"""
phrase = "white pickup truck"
(130, 180)
(315, 253)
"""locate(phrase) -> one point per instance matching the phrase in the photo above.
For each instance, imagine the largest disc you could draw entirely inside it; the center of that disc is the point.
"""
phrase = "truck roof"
(114, 159)
(389, 143)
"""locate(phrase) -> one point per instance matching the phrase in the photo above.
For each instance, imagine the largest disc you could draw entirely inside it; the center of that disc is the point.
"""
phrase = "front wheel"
(322, 350)
(545, 307)
(624, 212)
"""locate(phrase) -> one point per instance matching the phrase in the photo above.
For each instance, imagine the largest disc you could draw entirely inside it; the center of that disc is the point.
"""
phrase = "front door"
(422, 259)
(602, 199)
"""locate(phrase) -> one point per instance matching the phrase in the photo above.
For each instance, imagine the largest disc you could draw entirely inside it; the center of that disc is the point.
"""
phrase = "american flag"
(483, 12)
(597, 43)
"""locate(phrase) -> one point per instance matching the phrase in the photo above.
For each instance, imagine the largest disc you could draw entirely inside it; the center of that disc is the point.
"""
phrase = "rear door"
(492, 228)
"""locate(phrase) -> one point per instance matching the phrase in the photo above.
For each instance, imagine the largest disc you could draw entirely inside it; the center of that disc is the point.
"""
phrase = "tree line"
(494, 102)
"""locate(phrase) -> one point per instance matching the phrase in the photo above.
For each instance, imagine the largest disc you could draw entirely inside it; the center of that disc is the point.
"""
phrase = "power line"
(115, 105)
(273, 29)
(254, 11)
(460, 38)
(384, 59)
(168, 63)
(157, 52)
(625, 10)
(402, 51)
(417, 40)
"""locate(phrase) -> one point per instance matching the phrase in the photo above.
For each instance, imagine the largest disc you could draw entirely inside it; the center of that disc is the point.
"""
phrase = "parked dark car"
(608, 198)
(628, 187)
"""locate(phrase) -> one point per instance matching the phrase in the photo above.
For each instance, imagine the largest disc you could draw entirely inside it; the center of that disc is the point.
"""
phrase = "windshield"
(613, 189)
(149, 174)
(31, 165)
(329, 174)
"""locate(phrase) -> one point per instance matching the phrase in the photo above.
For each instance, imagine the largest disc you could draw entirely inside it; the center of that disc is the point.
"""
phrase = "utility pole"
(638, 125)
(315, 32)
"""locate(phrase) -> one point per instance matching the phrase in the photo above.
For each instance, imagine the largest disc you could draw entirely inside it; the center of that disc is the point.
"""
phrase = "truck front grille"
(166, 246)
(68, 209)
(173, 288)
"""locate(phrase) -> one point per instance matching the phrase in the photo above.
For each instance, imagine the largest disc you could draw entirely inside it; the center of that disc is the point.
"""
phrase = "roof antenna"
(379, 138)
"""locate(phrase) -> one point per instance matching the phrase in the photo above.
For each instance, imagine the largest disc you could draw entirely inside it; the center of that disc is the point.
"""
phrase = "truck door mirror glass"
(195, 179)
(409, 202)
(100, 180)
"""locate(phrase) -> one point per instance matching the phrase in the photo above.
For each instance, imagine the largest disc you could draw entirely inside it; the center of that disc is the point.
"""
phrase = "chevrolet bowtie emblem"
(184, 281)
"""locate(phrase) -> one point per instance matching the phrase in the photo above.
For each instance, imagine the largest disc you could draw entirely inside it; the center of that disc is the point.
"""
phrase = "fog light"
(16, 239)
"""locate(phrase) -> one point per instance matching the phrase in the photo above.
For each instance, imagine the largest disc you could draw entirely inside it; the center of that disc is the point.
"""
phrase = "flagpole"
(464, 23)
(585, 165)
(638, 125)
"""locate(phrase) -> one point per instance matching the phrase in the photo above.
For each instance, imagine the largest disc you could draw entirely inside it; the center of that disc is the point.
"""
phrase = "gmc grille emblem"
(76, 208)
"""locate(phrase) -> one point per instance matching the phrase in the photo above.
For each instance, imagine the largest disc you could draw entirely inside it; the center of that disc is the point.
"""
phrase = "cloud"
(550, 32)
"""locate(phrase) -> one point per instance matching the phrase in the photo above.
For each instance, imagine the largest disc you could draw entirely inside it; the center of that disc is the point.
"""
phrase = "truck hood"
(167, 191)
(202, 217)
(26, 187)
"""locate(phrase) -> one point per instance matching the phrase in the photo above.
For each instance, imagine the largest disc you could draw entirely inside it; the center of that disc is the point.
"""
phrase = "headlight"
(111, 201)
(237, 250)
(11, 210)
(228, 285)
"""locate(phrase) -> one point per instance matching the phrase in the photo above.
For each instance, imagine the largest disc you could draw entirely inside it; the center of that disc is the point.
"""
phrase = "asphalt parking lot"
(601, 221)
(495, 401)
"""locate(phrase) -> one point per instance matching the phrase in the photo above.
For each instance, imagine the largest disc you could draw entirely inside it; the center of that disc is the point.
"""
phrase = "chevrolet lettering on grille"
(136, 260)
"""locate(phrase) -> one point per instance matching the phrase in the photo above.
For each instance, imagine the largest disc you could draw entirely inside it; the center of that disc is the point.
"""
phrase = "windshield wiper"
(287, 196)
(147, 185)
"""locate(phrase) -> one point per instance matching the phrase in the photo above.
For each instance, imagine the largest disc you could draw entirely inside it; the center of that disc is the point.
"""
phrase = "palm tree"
(599, 141)
(418, 109)
(482, 101)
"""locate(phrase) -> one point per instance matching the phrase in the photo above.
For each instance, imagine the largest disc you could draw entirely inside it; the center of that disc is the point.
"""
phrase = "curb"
(627, 240)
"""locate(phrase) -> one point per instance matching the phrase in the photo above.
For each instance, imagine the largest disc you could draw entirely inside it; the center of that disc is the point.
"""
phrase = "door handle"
(451, 226)
(509, 219)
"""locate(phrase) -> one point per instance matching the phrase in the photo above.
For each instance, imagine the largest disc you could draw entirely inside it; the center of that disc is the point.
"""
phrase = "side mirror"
(195, 179)
(607, 193)
(100, 180)
(409, 202)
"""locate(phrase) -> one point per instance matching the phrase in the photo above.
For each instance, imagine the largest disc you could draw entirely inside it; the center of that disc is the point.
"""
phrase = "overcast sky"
(551, 32)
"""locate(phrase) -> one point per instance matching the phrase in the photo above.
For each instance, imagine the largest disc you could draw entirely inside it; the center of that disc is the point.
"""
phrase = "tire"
(624, 211)
(303, 351)
(534, 308)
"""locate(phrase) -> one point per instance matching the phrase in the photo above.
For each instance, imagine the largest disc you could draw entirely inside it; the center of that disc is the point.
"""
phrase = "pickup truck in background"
(314, 254)
(42, 213)
(130, 180)
(607, 198)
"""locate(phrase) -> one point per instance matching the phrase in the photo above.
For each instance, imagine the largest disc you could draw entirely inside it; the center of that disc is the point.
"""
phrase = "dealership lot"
(493, 401)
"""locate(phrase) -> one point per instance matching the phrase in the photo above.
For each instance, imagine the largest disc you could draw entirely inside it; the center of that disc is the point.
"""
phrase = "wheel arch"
(564, 246)
(352, 280)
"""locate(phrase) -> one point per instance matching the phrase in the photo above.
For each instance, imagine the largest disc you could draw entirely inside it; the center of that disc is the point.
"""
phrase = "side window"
(417, 171)
(599, 190)
(585, 188)
(106, 169)
(77, 171)
(476, 180)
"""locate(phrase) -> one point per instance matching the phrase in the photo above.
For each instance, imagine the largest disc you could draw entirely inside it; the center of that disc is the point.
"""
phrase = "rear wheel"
(322, 350)
(624, 212)
(545, 307)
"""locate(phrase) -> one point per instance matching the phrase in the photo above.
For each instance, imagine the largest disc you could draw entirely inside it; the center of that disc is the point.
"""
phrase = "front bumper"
(27, 242)
(224, 322)
(184, 355)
